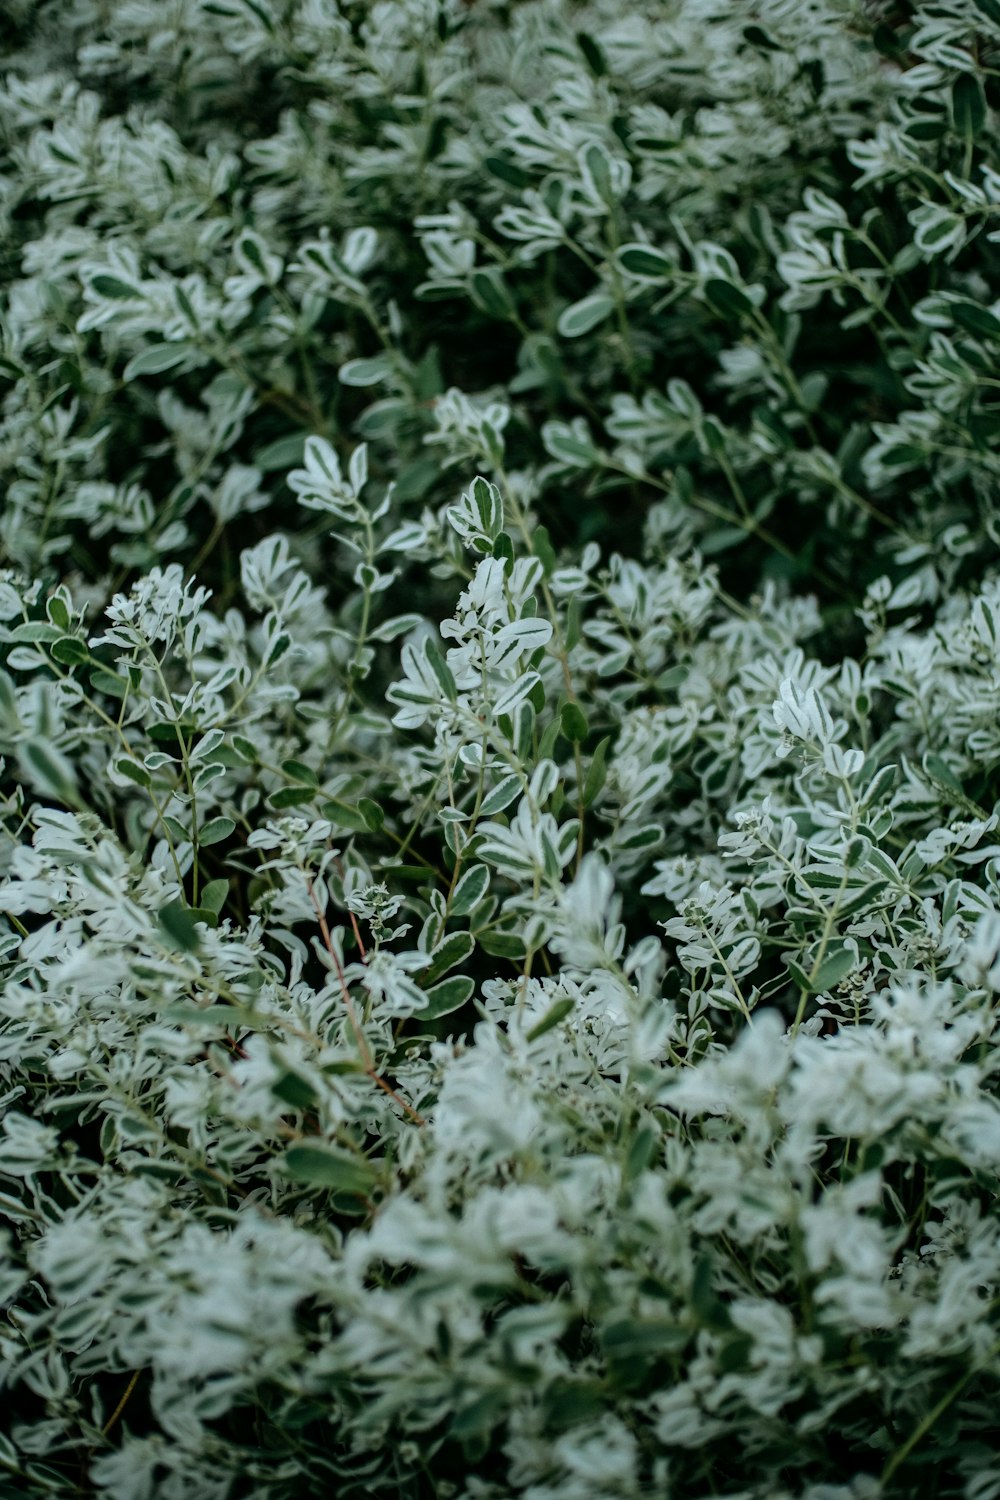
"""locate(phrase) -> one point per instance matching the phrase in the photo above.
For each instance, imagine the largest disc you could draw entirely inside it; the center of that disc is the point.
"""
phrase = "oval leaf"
(179, 924)
(645, 263)
(320, 1165)
(156, 358)
(449, 995)
(215, 830)
(582, 316)
(455, 949)
(364, 372)
(502, 795)
(727, 300)
(555, 1013)
(470, 890)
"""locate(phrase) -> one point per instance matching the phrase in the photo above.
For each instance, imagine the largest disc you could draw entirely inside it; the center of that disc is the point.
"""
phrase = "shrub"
(500, 875)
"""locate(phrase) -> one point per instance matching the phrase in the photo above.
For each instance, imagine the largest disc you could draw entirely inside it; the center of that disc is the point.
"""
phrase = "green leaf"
(290, 796)
(640, 1153)
(489, 506)
(541, 545)
(503, 550)
(508, 172)
(722, 539)
(178, 923)
(881, 786)
(470, 890)
(441, 671)
(646, 264)
(706, 1303)
(455, 949)
(57, 611)
(582, 316)
(942, 776)
(502, 795)
(672, 678)
(36, 632)
(245, 748)
(573, 722)
(727, 300)
(501, 945)
(50, 771)
(973, 318)
(214, 895)
(372, 814)
(943, 779)
(477, 1418)
(836, 965)
(597, 773)
(172, 733)
(133, 771)
(597, 163)
(204, 914)
(491, 294)
(345, 815)
(450, 995)
(556, 1012)
(215, 830)
(903, 456)
(283, 453)
(968, 105)
(645, 837)
(574, 622)
(715, 437)
(365, 372)
(292, 1089)
(277, 648)
(323, 1166)
(864, 897)
(593, 54)
(414, 480)
(838, 962)
(631, 1342)
(247, 243)
(297, 770)
(547, 743)
(108, 682)
(70, 651)
(814, 387)
(570, 445)
(114, 289)
(758, 37)
(156, 358)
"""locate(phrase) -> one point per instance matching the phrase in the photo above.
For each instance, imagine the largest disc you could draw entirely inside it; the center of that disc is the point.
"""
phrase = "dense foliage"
(500, 706)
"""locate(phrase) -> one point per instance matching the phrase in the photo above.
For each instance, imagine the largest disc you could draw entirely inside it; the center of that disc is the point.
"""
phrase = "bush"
(501, 707)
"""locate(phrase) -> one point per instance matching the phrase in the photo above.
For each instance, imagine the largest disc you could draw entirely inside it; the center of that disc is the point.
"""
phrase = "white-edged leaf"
(502, 795)
(470, 890)
(365, 372)
(580, 317)
(644, 263)
(215, 830)
(156, 358)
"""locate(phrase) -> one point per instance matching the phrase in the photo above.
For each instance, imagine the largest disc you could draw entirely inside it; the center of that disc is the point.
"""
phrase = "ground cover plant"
(500, 717)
